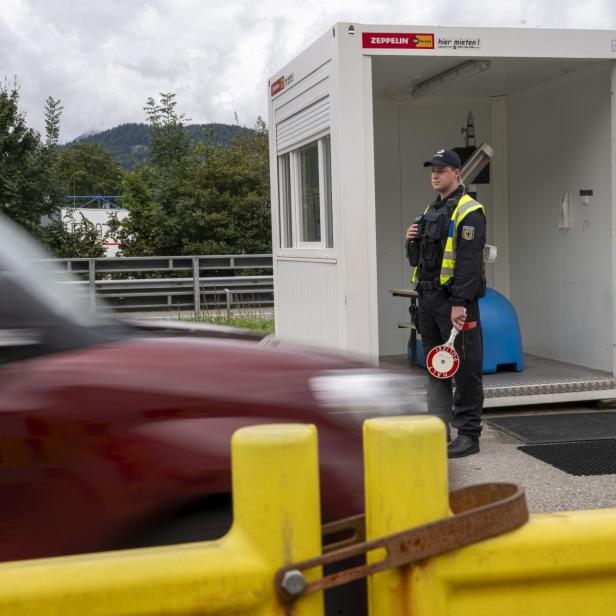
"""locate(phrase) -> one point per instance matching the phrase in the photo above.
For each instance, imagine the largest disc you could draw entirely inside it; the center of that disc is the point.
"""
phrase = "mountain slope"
(129, 143)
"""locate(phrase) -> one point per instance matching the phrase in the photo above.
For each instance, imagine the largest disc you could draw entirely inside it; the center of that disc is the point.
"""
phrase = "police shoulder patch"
(468, 233)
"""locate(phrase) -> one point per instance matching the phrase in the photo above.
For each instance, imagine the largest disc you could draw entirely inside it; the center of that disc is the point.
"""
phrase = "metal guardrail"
(196, 292)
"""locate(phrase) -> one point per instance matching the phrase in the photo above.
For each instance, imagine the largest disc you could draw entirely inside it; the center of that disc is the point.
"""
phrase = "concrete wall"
(559, 137)
(405, 135)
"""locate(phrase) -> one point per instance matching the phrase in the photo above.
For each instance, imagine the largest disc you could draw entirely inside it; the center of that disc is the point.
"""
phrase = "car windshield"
(27, 266)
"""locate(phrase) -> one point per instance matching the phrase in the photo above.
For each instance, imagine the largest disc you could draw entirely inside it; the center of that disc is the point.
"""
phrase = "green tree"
(89, 169)
(170, 141)
(145, 232)
(53, 113)
(207, 198)
(23, 165)
(48, 154)
(30, 190)
(156, 194)
(233, 183)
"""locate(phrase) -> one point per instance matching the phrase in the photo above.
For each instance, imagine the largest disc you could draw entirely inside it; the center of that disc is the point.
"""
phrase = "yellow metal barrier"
(559, 563)
(403, 458)
(276, 521)
(556, 564)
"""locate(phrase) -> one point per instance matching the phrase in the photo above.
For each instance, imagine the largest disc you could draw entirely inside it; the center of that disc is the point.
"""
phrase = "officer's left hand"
(458, 316)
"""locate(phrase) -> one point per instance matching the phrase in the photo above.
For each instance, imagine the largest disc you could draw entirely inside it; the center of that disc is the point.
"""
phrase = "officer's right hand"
(412, 231)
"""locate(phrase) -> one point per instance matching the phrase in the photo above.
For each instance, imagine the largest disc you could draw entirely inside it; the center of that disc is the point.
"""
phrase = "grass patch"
(260, 323)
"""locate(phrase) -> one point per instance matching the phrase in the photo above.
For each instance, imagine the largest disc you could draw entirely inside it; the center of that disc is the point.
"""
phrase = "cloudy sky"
(104, 58)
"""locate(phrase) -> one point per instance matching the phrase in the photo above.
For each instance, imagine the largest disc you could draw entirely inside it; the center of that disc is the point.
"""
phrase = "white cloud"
(104, 58)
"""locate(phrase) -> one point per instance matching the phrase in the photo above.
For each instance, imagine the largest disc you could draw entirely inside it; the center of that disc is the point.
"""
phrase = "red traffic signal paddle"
(443, 361)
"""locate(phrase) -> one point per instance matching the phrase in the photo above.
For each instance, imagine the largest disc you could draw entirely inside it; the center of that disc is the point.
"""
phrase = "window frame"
(285, 203)
(300, 248)
(299, 213)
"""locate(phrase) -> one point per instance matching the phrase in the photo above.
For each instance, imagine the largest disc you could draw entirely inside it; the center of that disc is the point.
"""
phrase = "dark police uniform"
(462, 410)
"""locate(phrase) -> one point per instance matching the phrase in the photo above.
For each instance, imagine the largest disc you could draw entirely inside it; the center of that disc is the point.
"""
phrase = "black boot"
(464, 445)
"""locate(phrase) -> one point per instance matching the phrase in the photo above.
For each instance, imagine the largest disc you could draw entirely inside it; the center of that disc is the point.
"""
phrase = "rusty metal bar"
(480, 512)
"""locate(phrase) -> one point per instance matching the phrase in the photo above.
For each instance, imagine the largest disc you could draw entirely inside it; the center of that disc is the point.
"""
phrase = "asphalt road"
(547, 488)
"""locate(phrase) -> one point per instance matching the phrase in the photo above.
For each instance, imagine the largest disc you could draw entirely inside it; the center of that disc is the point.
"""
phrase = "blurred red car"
(112, 436)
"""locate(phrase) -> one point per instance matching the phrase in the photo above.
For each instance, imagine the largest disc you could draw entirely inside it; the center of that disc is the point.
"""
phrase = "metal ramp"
(543, 381)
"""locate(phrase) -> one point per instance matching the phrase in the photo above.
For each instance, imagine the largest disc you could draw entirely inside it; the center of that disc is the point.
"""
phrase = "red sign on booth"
(277, 86)
(397, 40)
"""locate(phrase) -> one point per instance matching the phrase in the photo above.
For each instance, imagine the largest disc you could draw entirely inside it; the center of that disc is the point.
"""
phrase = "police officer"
(446, 248)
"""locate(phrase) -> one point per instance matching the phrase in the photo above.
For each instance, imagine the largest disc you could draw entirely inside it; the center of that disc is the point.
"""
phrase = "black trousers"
(462, 410)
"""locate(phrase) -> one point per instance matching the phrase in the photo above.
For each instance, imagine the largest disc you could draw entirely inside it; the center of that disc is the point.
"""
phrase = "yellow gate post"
(557, 563)
(276, 521)
(278, 507)
(405, 463)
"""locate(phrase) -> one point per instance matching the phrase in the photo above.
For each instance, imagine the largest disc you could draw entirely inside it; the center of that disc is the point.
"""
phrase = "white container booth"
(352, 119)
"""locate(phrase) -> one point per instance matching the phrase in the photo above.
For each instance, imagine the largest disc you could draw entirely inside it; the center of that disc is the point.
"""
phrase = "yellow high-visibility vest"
(465, 206)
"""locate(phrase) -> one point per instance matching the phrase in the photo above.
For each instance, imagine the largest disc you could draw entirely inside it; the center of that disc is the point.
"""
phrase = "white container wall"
(306, 271)
(561, 279)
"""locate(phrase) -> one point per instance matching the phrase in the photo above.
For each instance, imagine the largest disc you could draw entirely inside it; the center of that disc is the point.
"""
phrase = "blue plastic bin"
(502, 341)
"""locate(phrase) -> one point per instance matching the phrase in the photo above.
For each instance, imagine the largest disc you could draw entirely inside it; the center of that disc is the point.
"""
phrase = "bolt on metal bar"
(480, 512)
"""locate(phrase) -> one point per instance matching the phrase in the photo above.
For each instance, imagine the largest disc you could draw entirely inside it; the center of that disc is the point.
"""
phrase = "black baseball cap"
(443, 158)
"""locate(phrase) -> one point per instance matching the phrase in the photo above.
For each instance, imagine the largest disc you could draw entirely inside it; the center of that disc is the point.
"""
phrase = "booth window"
(305, 196)
(284, 198)
(310, 229)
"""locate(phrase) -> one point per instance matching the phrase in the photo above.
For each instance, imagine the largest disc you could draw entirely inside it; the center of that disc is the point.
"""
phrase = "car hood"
(161, 373)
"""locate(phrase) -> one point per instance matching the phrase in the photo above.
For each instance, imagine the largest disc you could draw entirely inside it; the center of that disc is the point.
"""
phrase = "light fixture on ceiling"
(433, 84)
(449, 77)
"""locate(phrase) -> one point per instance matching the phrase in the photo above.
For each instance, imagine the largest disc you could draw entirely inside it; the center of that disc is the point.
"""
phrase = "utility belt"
(427, 285)
(430, 285)
(421, 286)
